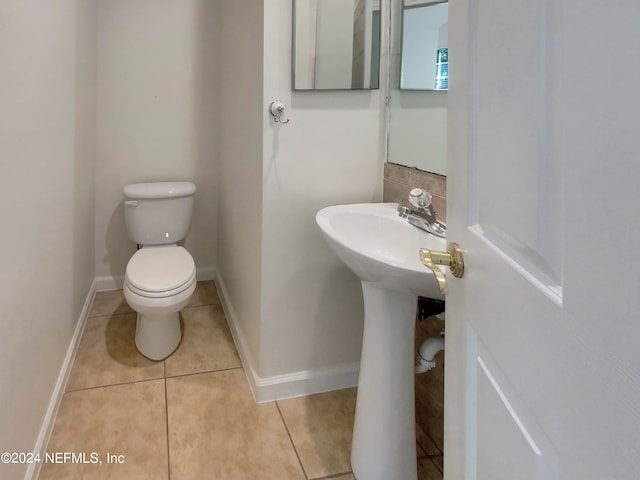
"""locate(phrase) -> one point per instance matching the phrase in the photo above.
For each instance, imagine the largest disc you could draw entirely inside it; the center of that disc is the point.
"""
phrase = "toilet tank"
(158, 213)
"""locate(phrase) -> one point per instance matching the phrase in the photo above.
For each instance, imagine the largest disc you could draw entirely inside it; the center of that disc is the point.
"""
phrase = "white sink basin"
(383, 250)
(380, 247)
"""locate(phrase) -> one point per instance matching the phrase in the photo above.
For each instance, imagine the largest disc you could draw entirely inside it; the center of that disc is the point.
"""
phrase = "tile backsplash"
(398, 180)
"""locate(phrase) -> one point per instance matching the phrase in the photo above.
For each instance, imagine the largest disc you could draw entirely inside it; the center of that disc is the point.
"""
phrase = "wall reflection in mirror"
(425, 41)
(336, 44)
(417, 111)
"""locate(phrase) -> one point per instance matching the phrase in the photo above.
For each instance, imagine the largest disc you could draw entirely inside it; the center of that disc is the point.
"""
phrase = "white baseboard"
(278, 387)
(204, 273)
(42, 441)
(305, 382)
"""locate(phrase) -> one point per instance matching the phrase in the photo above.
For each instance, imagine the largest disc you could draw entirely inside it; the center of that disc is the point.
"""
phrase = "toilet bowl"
(159, 282)
(161, 276)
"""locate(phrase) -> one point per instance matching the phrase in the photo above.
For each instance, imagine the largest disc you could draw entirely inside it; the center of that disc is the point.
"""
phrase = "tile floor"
(192, 416)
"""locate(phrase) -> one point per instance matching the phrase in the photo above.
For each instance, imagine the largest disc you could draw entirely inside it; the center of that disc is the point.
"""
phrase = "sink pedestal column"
(384, 438)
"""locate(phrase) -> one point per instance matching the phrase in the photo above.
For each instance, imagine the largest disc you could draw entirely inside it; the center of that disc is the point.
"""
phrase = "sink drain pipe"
(424, 358)
(428, 350)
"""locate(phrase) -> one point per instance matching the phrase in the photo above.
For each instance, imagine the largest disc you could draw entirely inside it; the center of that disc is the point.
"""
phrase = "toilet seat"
(161, 271)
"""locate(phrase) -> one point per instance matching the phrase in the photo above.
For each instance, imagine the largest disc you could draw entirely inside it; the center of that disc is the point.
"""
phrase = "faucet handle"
(419, 198)
(404, 211)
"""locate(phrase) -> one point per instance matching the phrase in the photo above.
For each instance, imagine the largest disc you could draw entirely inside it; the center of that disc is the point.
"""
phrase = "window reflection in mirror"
(336, 44)
(425, 28)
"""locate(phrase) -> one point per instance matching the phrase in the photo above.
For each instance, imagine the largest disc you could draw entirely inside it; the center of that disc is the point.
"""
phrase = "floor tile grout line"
(436, 465)
(166, 416)
(114, 384)
(295, 450)
(112, 314)
(202, 305)
(155, 378)
(90, 315)
(205, 371)
(116, 313)
(333, 475)
(432, 441)
(152, 379)
(426, 451)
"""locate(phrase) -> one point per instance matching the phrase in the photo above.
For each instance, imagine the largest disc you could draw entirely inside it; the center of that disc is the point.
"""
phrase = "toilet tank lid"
(158, 190)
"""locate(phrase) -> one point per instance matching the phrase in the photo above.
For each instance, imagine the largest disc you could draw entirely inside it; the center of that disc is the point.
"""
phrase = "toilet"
(161, 276)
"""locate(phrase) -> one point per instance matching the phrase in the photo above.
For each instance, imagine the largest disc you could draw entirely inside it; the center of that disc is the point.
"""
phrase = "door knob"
(451, 258)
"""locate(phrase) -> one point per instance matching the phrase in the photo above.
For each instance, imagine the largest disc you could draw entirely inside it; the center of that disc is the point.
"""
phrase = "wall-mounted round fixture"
(276, 109)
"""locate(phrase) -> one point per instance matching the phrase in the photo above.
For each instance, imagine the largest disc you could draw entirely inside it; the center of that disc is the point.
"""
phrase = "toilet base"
(158, 336)
(158, 331)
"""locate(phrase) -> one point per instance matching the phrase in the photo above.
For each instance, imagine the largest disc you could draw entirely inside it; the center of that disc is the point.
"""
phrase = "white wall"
(334, 43)
(305, 41)
(331, 152)
(156, 117)
(239, 154)
(418, 129)
(295, 310)
(47, 145)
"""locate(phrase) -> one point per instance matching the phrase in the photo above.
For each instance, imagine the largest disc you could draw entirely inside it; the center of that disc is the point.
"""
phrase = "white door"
(542, 376)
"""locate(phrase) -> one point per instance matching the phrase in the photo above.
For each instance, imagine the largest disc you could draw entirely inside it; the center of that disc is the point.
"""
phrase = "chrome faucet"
(424, 216)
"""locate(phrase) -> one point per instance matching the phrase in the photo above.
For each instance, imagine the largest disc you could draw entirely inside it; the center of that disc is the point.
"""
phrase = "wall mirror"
(416, 114)
(425, 33)
(336, 44)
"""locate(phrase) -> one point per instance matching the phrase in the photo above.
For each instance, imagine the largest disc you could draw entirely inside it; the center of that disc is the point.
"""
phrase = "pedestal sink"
(382, 249)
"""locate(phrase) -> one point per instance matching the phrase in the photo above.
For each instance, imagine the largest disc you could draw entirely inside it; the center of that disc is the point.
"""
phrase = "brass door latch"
(451, 258)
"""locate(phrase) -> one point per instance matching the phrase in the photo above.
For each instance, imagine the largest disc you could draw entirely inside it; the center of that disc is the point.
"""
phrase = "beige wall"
(47, 145)
(156, 117)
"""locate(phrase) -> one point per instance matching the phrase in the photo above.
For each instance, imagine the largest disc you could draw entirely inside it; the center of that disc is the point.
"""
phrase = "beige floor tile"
(127, 420)
(427, 470)
(206, 344)
(348, 476)
(205, 294)
(321, 427)
(107, 355)
(108, 303)
(216, 430)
